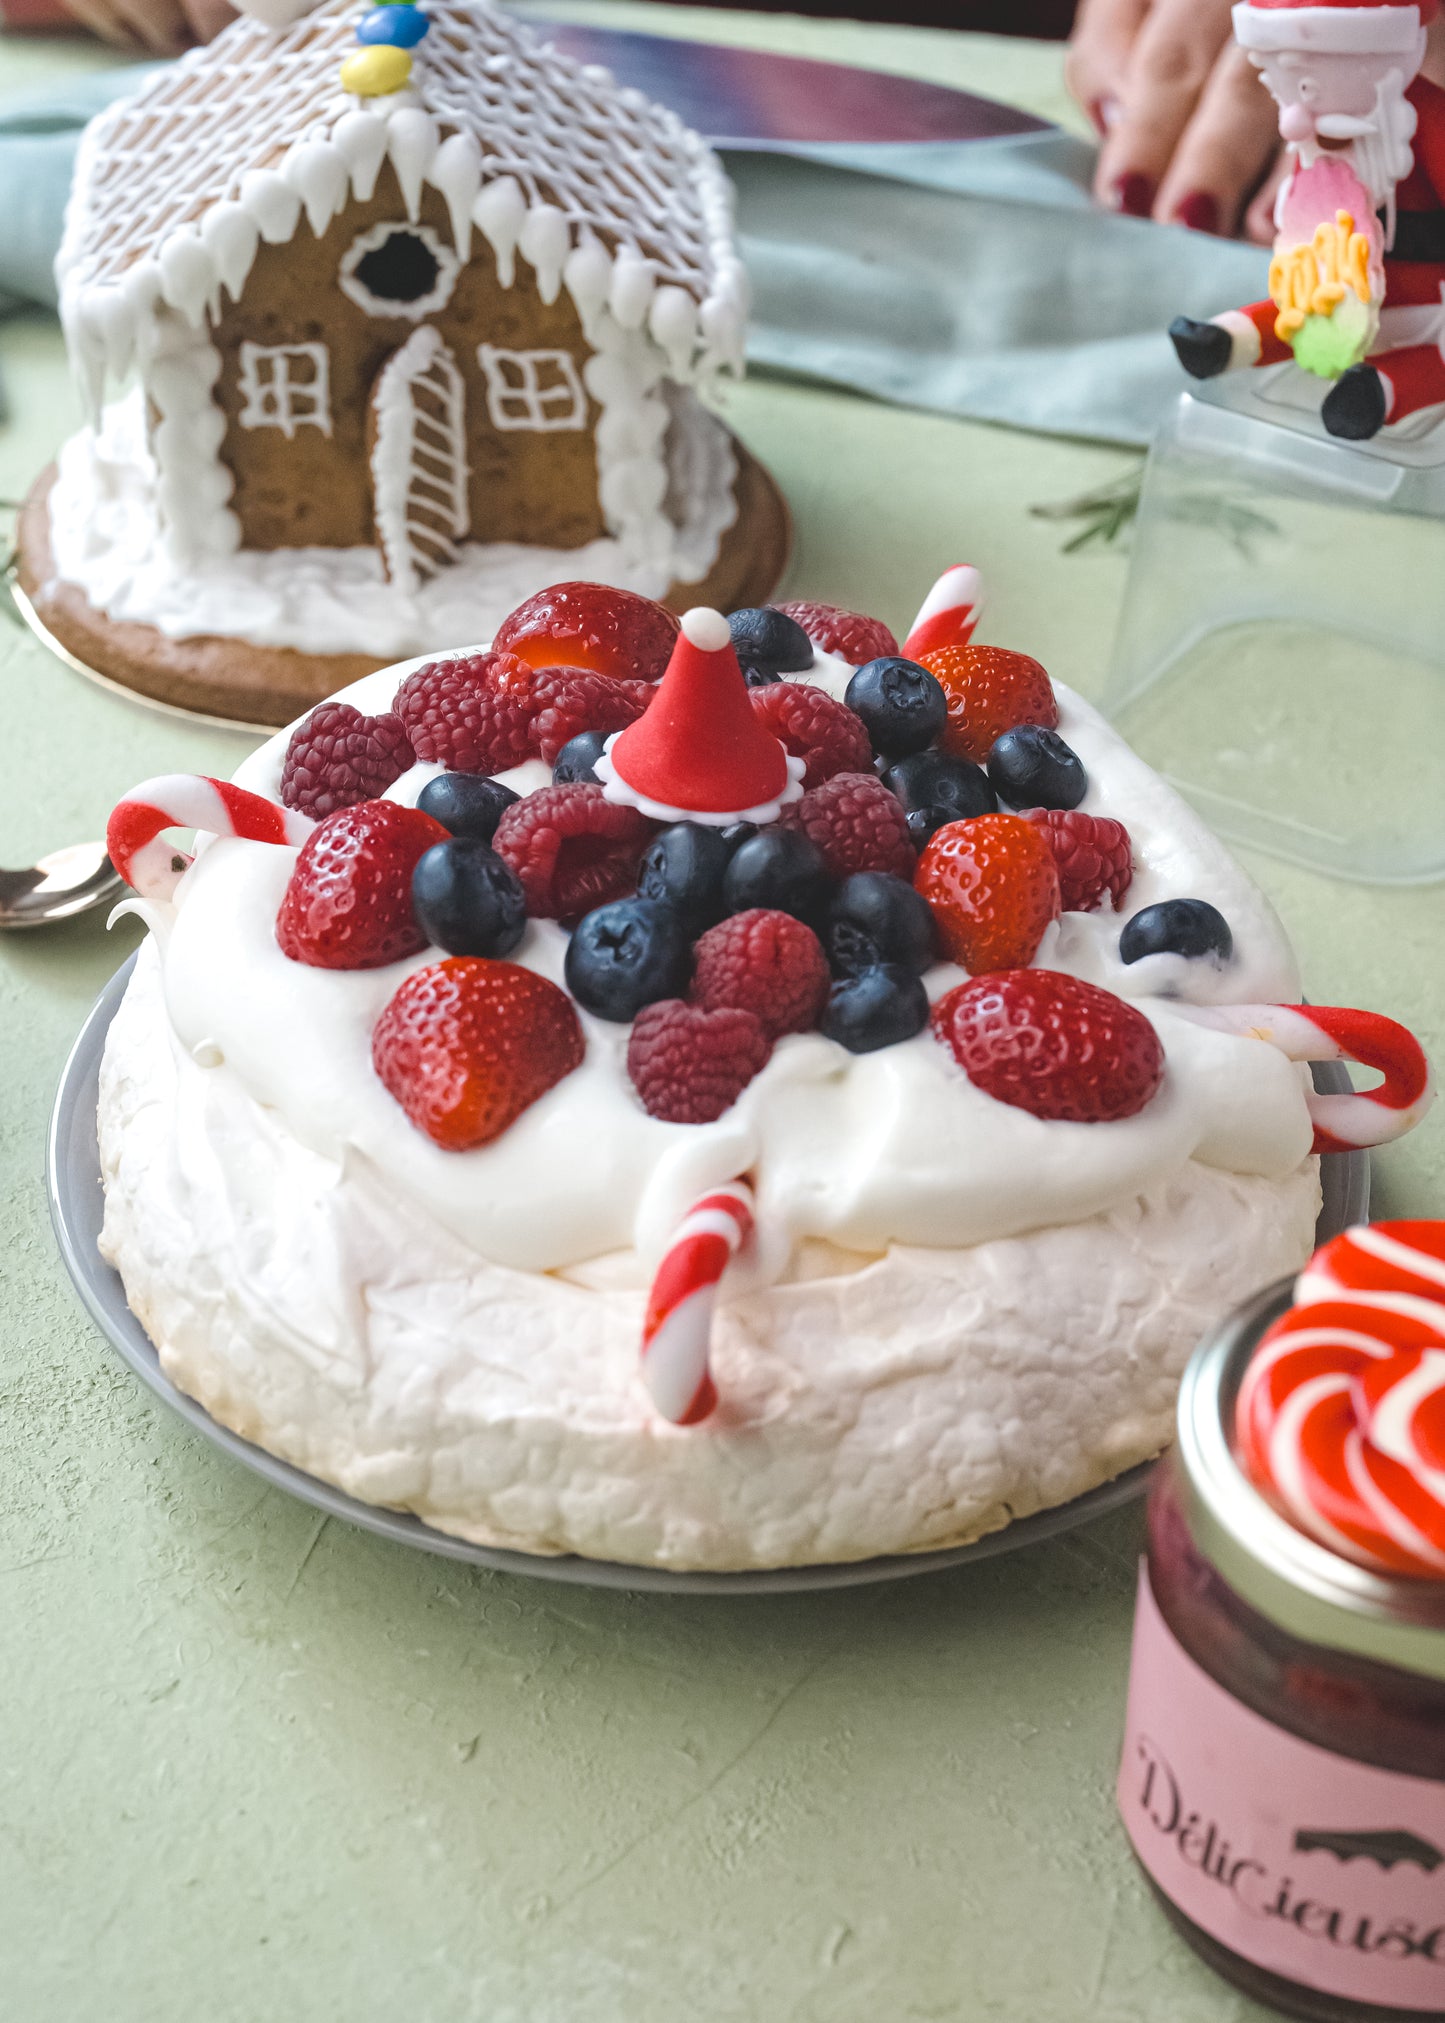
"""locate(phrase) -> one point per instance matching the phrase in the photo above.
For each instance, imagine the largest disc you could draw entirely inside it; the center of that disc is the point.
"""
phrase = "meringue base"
(908, 1402)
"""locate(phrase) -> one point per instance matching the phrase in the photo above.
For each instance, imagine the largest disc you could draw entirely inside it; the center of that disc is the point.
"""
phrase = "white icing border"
(449, 268)
(394, 471)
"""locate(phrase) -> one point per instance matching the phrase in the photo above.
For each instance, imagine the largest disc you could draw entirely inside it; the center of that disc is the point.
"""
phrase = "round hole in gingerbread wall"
(399, 270)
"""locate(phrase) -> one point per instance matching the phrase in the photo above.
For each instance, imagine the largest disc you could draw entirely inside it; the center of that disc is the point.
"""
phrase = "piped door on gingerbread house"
(420, 472)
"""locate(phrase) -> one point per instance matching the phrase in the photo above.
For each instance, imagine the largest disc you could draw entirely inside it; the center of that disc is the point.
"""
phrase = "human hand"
(1188, 132)
(160, 27)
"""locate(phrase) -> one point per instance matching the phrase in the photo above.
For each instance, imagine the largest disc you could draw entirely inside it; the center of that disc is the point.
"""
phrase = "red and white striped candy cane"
(949, 612)
(1310, 1032)
(189, 801)
(1340, 1422)
(677, 1332)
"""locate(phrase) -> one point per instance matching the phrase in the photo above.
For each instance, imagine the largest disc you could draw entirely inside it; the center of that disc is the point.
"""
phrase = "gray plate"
(73, 1179)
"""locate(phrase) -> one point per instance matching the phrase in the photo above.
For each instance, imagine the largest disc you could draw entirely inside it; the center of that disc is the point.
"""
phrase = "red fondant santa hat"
(1334, 27)
(700, 752)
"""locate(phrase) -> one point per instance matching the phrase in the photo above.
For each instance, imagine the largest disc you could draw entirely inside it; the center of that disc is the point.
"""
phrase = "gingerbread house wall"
(313, 487)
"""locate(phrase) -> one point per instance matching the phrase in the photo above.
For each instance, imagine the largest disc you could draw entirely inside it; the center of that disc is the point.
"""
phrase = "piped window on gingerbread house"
(533, 389)
(399, 269)
(285, 386)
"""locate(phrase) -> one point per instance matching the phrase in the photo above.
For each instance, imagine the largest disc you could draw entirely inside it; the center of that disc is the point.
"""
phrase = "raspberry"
(1052, 1045)
(471, 714)
(572, 849)
(989, 690)
(467, 1045)
(613, 632)
(856, 823)
(849, 634)
(689, 1065)
(766, 963)
(348, 905)
(1093, 853)
(570, 700)
(338, 757)
(993, 886)
(811, 726)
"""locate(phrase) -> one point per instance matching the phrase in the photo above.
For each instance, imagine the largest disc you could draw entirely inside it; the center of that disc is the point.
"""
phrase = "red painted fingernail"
(1199, 211)
(1133, 194)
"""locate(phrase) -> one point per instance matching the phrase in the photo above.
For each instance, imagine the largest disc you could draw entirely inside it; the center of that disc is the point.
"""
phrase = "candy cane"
(949, 612)
(677, 1333)
(189, 801)
(1340, 1421)
(1308, 1032)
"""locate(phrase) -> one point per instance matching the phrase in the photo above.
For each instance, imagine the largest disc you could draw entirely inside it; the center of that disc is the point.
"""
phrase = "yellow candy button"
(373, 72)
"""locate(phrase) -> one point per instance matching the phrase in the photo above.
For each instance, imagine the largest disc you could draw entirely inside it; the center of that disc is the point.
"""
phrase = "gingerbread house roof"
(599, 189)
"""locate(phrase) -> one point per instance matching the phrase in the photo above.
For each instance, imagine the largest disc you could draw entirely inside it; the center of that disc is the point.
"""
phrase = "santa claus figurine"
(1357, 287)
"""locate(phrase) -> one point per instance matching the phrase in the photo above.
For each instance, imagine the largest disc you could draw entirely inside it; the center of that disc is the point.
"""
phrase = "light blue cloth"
(972, 278)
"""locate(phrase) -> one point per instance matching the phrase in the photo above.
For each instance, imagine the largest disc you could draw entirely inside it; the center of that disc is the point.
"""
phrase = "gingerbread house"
(421, 349)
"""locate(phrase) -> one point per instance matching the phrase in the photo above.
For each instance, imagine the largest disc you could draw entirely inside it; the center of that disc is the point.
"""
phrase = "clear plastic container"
(1281, 654)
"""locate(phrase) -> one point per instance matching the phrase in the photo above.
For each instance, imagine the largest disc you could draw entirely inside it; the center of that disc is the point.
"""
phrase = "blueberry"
(769, 642)
(778, 868)
(754, 677)
(936, 788)
(577, 760)
(1177, 927)
(1033, 768)
(466, 899)
(628, 955)
(684, 867)
(465, 804)
(875, 918)
(879, 1008)
(902, 705)
(738, 833)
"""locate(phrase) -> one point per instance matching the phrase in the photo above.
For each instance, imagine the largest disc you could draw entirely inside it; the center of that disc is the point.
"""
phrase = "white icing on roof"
(597, 188)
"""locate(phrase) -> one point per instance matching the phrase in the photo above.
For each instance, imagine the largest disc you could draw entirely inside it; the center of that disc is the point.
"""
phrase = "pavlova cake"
(721, 1094)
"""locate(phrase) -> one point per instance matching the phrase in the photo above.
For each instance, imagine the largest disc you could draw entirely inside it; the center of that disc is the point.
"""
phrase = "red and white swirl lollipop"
(1340, 1422)
(1378, 1257)
(189, 801)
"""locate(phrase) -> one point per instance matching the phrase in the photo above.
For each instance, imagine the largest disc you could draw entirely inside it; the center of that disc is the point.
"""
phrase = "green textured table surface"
(258, 1763)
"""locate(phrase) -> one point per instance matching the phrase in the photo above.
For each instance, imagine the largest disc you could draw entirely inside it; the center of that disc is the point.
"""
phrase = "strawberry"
(1093, 853)
(993, 886)
(989, 690)
(348, 905)
(690, 1065)
(849, 634)
(1052, 1045)
(467, 1045)
(587, 625)
(764, 962)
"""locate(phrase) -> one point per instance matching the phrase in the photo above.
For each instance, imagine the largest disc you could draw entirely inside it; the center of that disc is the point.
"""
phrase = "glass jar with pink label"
(1283, 1772)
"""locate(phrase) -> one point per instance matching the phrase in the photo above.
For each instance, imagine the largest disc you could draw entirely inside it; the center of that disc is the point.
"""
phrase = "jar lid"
(1302, 1586)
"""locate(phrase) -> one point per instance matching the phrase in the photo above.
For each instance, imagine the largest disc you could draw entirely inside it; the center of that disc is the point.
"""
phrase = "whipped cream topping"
(855, 1153)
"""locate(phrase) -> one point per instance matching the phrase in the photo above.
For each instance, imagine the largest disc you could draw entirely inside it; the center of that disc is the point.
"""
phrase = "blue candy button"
(399, 27)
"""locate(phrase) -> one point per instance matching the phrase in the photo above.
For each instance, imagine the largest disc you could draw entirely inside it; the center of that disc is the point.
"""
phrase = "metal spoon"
(60, 886)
